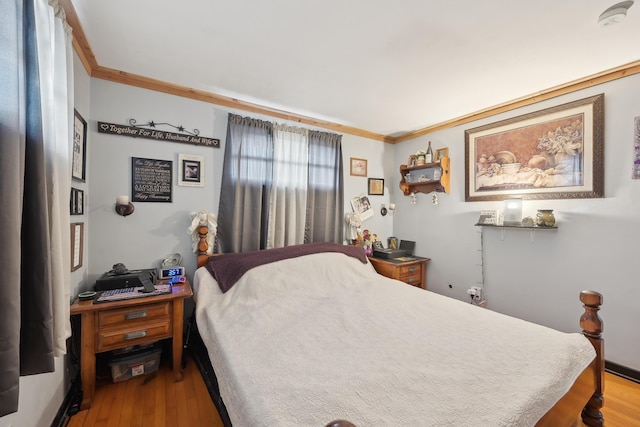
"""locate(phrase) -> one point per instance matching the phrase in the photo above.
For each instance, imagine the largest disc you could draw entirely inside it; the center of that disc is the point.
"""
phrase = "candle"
(122, 200)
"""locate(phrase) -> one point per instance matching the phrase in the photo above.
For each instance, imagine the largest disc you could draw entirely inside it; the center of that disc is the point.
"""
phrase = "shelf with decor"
(425, 178)
(531, 228)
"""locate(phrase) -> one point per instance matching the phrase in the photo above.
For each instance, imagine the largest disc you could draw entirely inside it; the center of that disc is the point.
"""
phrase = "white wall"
(156, 230)
(594, 246)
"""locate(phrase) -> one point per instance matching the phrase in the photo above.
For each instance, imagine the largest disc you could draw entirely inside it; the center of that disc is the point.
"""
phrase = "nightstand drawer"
(414, 280)
(410, 270)
(134, 333)
(123, 316)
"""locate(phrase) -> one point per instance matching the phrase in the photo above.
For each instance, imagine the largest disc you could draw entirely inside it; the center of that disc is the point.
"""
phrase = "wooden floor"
(157, 401)
(154, 400)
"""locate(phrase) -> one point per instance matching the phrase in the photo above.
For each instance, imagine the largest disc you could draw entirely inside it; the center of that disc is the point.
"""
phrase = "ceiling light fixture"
(614, 14)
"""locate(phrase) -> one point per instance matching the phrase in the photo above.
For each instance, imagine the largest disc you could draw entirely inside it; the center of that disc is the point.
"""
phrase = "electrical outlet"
(477, 295)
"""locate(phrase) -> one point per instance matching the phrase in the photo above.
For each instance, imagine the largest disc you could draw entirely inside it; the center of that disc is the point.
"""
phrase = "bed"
(318, 336)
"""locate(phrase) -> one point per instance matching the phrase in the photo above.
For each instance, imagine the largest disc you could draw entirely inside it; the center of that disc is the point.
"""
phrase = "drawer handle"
(136, 315)
(135, 335)
(412, 269)
(412, 279)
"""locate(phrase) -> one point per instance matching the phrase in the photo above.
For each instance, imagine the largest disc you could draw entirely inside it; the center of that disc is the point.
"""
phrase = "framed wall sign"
(556, 153)
(77, 237)
(358, 167)
(190, 170)
(79, 161)
(151, 180)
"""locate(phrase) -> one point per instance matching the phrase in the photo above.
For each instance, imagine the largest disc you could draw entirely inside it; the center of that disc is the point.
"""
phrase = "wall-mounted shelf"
(532, 229)
(413, 181)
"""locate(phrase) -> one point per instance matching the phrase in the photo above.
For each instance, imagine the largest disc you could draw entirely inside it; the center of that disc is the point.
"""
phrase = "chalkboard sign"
(151, 180)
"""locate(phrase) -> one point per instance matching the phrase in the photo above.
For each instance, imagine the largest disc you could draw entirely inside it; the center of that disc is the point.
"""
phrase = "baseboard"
(70, 404)
(622, 371)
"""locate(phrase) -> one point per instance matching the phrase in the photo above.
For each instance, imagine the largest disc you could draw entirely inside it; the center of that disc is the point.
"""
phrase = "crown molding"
(90, 63)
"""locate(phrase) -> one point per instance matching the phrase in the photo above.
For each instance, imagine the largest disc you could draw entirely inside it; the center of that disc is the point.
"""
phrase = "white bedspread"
(321, 337)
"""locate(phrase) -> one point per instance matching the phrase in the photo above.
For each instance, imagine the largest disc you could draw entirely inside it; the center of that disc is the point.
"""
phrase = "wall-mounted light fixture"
(392, 207)
(123, 206)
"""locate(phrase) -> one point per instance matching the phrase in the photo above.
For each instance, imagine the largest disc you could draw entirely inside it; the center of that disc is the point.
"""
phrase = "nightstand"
(117, 324)
(413, 272)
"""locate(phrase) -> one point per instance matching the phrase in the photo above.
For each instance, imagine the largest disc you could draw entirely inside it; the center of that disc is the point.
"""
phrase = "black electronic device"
(170, 272)
(388, 253)
(120, 278)
(408, 247)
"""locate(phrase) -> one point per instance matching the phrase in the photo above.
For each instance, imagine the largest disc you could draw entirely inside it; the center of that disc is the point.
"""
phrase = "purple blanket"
(229, 268)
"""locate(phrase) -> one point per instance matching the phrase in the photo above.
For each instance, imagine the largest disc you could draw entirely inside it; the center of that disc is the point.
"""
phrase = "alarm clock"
(170, 272)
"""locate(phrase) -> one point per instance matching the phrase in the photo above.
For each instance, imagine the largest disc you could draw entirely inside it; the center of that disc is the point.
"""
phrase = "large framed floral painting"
(556, 153)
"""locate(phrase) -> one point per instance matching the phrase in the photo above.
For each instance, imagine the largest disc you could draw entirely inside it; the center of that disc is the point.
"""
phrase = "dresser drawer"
(133, 333)
(140, 313)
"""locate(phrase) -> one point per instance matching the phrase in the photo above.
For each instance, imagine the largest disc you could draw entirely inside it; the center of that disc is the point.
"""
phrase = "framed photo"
(77, 237)
(190, 170)
(76, 202)
(358, 166)
(362, 206)
(376, 186)
(556, 153)
(440, 153)
(79, 160)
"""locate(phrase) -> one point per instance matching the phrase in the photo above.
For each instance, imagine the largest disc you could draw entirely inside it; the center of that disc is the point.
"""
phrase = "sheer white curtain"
(55, 63)
(288, 198)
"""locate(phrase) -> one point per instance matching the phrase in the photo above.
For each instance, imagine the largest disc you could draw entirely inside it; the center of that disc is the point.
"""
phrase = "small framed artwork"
(77, 237)
(441, 152)
(358, 166)
(79, 161)
(190, 170)
(376, 187)
(76, 202)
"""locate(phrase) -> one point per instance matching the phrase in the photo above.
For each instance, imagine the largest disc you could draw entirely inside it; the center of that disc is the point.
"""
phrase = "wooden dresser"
(117, 324)
(413, 272)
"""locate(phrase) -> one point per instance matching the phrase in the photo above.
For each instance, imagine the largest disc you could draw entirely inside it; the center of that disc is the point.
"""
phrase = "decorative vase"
(545, 218)
(368, 250)
(420, 160)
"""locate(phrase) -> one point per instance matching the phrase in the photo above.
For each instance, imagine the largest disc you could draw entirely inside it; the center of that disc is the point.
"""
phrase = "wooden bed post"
(203, 230)
(591, 325)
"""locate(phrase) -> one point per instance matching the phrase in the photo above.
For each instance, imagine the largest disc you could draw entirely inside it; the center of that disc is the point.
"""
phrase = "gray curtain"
(246, 185)
(325, 201)
(26, 345)
(246, 182)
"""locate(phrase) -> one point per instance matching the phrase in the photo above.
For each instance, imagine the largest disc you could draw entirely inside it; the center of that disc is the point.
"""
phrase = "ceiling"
(388, 67)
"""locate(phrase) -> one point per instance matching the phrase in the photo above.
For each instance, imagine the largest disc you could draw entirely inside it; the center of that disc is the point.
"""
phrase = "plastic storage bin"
(129, 365)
